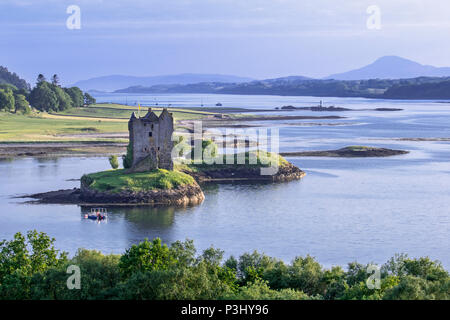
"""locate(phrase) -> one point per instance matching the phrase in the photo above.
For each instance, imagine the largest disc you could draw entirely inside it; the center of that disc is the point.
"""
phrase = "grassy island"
(119, 180)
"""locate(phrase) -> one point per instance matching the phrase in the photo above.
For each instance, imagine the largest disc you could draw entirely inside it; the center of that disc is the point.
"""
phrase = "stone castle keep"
(151, 140)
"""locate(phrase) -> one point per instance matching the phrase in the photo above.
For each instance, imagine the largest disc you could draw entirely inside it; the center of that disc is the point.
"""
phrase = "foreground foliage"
(31, 268)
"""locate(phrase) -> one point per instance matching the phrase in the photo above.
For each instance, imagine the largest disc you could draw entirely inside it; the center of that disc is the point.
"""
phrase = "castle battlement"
(151, 141)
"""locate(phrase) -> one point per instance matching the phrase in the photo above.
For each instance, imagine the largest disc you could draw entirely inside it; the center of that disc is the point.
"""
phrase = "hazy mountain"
(115, 82)
(392, 67)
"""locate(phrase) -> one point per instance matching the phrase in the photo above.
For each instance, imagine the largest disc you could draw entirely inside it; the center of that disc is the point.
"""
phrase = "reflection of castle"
(151, 140)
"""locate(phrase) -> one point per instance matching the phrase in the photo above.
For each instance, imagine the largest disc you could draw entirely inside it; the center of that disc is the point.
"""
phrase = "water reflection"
(150, 218)
(6, 160)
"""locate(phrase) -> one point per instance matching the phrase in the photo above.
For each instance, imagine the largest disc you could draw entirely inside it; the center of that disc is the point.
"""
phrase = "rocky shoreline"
(287, 172)
(181, 196)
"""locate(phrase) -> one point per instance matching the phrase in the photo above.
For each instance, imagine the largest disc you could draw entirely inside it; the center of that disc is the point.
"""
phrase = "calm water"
(343, 210)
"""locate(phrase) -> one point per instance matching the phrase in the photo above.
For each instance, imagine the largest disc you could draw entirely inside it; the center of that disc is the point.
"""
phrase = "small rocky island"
(150, 176)
(348, 152)
(322, 108)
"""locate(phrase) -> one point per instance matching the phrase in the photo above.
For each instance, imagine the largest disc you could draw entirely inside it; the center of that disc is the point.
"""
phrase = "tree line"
(31, 268)
(45, 96)
(414, 88)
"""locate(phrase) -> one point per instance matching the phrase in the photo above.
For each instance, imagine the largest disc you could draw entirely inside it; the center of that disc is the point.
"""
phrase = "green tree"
(99, 277)
(76, 95)
(260, 290)
(7, 102)
(64, 100)
(22, 257)
(183, 253)
(55, 80)
(10, 87)
(21, 104)
(43, 98)
(128, 158)
(40, 79)
(192, 283)
(114, 162)
(13, 79)
(88, 99)
(415, 288)
(252, 266)
(146, 256)
(277, 276)
(306, 275)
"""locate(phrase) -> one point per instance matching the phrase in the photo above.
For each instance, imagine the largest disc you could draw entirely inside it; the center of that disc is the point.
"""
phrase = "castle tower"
(151, 141)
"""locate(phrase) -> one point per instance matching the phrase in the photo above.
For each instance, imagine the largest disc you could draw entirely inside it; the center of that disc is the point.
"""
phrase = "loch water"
(344, 209)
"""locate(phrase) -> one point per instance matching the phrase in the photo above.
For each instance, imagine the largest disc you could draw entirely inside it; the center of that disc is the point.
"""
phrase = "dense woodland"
(31, 268)
(17, 96)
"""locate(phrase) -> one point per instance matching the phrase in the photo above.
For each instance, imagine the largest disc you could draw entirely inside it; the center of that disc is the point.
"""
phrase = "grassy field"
(44, 128)
(118, 180)
(73, 125)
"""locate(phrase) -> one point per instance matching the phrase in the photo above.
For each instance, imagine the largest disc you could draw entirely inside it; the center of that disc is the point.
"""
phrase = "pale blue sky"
(255, 38)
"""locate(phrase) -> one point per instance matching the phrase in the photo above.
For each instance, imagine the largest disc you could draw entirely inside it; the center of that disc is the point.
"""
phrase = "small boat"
(218, 104)
(97, 214)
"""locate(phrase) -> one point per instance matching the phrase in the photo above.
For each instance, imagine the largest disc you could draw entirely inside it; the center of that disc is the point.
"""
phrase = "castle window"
(158, 148)
(150, 134)
(152, 126)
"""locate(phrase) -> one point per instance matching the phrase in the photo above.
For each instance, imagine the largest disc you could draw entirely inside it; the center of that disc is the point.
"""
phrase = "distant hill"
(392, 67)
(12, 78)
(115, 82)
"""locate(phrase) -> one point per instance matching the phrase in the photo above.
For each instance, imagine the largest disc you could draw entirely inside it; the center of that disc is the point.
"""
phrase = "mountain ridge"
(392, 67)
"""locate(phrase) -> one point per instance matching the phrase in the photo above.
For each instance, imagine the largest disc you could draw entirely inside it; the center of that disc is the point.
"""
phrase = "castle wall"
(165, 141)
(151, 139)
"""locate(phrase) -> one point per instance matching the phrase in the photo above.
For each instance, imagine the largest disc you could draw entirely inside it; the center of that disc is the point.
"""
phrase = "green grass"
(118, 180)
(39, 128)
(57, 127)
(263, 159)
